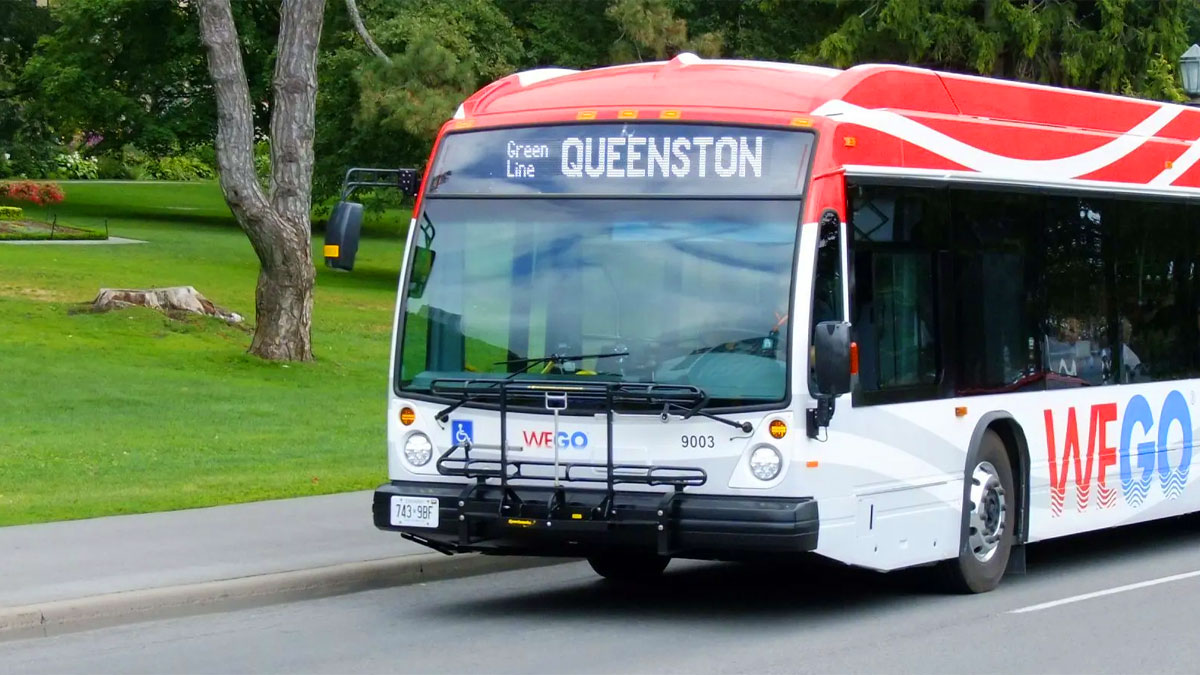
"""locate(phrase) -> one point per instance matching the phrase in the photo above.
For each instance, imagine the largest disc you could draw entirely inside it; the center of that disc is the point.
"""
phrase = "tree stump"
(166, 300)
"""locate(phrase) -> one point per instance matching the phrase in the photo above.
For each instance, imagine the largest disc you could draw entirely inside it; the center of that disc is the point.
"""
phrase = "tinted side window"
(901, 315)
(962, 291)
(897, 235)
(1079, 319)
(996, 290)
(1158, 291)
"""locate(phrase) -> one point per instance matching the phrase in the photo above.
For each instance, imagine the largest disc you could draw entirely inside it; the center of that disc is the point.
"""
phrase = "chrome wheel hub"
(989, 512)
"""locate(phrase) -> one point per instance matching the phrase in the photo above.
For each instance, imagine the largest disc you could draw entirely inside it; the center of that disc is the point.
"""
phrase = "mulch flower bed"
(35, 229)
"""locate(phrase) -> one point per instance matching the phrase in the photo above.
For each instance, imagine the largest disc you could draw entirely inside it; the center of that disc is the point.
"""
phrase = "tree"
(361, 29)
(374, 112)
(133, 71)
(25, 142)
(766, 30)
(1119, 46)
(651, 31)
(573, 34)
(277, 223)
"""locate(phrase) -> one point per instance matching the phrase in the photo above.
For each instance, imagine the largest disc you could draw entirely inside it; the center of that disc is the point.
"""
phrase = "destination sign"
(614, 159)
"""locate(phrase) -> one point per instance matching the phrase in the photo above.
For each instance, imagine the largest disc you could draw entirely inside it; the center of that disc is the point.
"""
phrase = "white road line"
(1109, 591)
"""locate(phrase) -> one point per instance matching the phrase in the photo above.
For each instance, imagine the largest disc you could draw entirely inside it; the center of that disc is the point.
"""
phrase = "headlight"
(418, 449)
(765, 463)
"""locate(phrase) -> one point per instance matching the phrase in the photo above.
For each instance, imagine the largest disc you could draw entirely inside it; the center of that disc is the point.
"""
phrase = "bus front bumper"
(581, 522)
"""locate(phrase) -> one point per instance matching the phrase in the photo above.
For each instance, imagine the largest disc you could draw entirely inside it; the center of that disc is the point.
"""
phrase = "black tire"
(984, 551)
(630, 568)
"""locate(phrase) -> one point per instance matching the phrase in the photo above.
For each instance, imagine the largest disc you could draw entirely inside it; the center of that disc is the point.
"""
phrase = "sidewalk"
(81, 558)
(135, 566)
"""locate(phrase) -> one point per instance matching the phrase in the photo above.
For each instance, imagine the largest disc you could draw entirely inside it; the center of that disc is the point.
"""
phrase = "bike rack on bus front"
(458, 459)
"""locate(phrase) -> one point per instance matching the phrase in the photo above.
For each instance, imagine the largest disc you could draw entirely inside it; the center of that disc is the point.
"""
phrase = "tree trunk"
(283, 307)
(278, 227)
(166, 300)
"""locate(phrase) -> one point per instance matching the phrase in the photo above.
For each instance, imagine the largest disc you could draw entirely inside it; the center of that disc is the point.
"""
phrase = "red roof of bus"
(895, 117)
(690, 82)
(679, 83)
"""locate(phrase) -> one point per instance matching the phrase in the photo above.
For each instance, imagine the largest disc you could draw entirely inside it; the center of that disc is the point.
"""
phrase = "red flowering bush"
(32, 192)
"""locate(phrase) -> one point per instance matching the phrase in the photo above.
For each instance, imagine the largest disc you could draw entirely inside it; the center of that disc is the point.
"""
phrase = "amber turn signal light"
(407, 416)
(777, 428)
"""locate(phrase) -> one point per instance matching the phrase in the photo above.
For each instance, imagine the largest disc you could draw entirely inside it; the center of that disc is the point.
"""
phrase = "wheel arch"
(1013, 436)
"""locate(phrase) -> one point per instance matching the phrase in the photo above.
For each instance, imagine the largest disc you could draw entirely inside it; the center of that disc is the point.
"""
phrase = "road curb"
(64, 616)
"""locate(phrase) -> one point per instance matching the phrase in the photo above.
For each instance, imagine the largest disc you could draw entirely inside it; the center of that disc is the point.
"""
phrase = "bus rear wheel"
(629, 567)
(989, 516)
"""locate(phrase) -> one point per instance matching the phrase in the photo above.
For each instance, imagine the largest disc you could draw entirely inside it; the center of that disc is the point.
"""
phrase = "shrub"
(134, 162)
(27, 143)
(75, 165)
(131, 155)
(262, 161)
(136, 172)
(180, 167)
(32, 192)
(111, 167)
(11, 213)
(204, 153)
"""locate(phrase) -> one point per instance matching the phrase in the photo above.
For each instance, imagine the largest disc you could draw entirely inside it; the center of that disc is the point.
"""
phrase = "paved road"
(704, 617)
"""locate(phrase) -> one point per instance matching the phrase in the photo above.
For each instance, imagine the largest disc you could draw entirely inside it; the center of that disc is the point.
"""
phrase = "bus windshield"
(673, 291)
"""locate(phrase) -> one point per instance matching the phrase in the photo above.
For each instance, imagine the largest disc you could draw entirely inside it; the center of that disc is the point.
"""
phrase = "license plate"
(414, 511)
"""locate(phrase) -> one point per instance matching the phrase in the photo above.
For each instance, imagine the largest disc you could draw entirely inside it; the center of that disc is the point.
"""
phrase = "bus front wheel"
(629, 567)
(989, 515)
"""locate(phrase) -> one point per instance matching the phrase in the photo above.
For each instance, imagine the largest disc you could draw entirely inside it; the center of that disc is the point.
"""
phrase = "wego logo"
(1136, 464)
(545, 439)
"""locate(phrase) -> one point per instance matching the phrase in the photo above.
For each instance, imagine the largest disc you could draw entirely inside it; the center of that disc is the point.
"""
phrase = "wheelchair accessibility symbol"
(462, 432)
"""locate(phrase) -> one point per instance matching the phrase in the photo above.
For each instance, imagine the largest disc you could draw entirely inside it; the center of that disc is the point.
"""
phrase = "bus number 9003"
(697, 441)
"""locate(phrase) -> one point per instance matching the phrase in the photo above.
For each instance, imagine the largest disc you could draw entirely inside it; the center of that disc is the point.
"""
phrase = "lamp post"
(1189, 70)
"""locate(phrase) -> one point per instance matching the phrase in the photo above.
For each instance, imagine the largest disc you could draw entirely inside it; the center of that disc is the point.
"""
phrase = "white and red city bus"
(723, 309)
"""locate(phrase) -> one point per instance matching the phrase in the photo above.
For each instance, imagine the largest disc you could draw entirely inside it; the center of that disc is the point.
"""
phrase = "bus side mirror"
(341, 235)
(831, 344)
(833, 354)
(422, 267)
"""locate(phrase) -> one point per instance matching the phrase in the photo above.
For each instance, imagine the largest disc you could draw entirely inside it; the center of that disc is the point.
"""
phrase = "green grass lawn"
(130, 411)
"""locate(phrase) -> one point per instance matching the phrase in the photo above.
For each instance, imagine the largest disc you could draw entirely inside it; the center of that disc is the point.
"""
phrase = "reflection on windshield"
(669, 291)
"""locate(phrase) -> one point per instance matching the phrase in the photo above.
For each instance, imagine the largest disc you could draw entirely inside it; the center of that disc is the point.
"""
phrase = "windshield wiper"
(528, 363)
(698, 409)
(525, 364)
(444, 414)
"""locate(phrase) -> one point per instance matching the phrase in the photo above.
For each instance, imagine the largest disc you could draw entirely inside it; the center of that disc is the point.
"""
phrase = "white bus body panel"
(888, 478)
(1125, 459)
